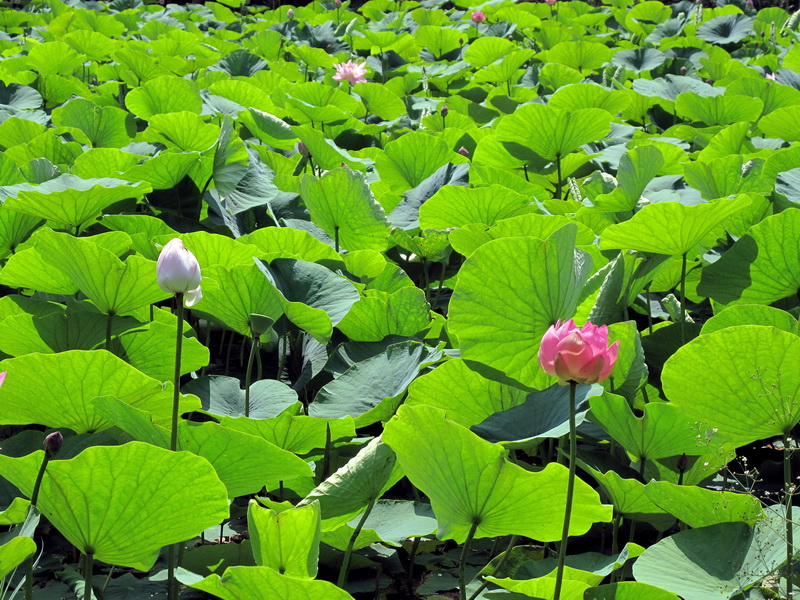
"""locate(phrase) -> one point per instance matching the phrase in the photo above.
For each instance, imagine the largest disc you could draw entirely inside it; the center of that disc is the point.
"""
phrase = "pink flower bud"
(580, 355)
(683, 70)
(444, 110)
(551, 2)
(463, 151)
(3, 377)
(478, 16)
(302, 148)
(290, 14)
(749, 5)
(53, 443)
(338, 4)
(179, 272)
(770, 76)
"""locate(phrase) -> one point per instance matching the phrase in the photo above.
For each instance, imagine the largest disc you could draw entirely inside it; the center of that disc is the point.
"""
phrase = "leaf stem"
(683, 300)
(350, 544)
(787, 486)
(109, 324)
(88, 572)
(503, 560)
(248, 375)
(176, 392)
(573, 448)
(558, 171)
(462, 565)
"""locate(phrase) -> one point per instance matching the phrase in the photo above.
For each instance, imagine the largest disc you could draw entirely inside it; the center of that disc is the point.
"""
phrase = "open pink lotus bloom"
(577, 354)
(351, 71)
(179, 272)
(478, 16)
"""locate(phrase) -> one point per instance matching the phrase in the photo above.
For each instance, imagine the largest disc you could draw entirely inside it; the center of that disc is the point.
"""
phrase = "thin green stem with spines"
(573, 450)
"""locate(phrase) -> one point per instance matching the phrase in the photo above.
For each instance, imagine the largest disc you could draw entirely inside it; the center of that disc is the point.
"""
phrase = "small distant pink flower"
(463, 151)
(770, 76)
(351, 71)
(551, 2)
(478, 16)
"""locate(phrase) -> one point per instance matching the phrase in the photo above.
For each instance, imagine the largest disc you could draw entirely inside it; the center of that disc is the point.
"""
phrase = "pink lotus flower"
(770, 76)
(478, 16)
(577, 354)
(351, 71)
(3, 377)
(551, 2)
(179, 272)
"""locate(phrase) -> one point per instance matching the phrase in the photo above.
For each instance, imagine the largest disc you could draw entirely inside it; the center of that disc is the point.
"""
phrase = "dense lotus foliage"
(390, 205)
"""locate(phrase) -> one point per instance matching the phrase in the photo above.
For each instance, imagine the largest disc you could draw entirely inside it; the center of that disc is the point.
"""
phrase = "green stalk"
(462, 566)
(683, 299)
(336, 238)
(649, 310)
(173, 442)
(248, 375)
(34, 499)
(558, 170)
(89, 569)
(506, 555)
(109, 324)
(787, 486)
(573, 450)
(349, 550)
(176, 393)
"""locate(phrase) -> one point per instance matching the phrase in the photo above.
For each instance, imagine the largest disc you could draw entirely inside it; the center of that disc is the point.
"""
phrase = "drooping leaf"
(288, 541)
(263, 583)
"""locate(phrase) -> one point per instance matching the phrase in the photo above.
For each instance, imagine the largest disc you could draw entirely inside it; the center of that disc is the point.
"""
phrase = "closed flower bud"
(290, 14)
(478, 16)
(683, 463)
(463, 151)
(683, 70)
(179, 272)
(53, 443)
(578, 355)
(444, 110)
(338, 4)
(302, 148)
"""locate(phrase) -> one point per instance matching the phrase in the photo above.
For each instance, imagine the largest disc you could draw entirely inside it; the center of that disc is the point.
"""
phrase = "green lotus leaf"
(368, 391)
(221, 396)
(544, 587)
(717, 110)
(409, 160)
(115, 287)
(455, 206)
(726, 29)
(378, 314)
(183, 129)
(91, 44)
(589, 95)
(285, 242)
(14, 552)
(629, 498)
(98, 163)
(263, 583)
(761, 267)
(380, 100)
(165, 170)
(28, 269)
(582, 55)
(71, 201)
(439, 40)
(142, 229)
(163, 95)
(628, 590)
(722, 177)
(52, 58)
(552, 133)
(752, 314)
(65, 383)
(299, 434)
(364, 479)
(465, 395)
(486, 50)
(700, 507)
(782, 124)
(105, 126)
(342, 204)
(669, 227)
(639, 59)
(637, 168)
(396, 521)
(314, 101)
(504, 332)
(122, 504)
(470, 482)
(288, 541)
(664, 430)
(715, 562)
(743, 386)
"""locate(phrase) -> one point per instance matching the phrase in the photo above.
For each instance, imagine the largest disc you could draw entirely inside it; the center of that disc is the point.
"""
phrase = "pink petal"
(610, 356)
(192, 297)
